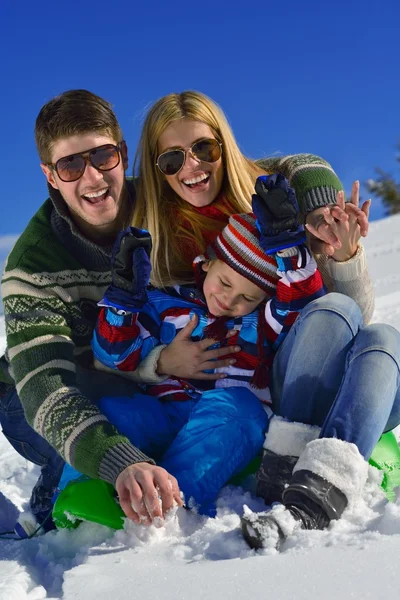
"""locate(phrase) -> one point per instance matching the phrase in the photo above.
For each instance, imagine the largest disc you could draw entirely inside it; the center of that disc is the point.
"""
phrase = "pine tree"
(386, 188)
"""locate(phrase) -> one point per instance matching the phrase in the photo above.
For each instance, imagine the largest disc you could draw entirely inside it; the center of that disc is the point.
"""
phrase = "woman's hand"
(188, 360)
(336, 230)
(146, 492)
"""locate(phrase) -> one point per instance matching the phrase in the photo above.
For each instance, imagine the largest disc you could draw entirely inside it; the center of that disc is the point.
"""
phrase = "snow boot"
(284, 442)
(273, 476)
(328, 476)
(310, 503)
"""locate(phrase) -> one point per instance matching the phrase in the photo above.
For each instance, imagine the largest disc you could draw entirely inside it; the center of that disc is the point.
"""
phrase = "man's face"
(95, 200)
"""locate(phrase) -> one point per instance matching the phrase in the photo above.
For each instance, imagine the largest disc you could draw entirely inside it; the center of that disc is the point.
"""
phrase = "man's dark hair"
(75, 112)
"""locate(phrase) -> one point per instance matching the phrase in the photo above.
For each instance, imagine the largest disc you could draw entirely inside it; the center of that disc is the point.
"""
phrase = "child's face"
(227, 293)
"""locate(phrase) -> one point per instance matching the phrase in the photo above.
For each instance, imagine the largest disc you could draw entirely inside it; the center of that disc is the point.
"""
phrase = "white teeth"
(196, 179)
(96, 194)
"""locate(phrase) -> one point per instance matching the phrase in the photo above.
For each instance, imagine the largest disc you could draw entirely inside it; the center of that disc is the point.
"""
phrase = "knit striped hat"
(238, 245)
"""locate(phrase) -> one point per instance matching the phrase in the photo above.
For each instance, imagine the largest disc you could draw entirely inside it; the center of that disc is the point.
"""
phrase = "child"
(252, 282)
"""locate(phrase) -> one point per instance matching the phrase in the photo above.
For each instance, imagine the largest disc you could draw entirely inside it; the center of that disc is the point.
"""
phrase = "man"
(55, 275)
(57, 271)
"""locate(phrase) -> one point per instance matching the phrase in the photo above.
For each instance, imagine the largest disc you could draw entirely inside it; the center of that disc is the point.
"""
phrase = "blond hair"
(157, 205)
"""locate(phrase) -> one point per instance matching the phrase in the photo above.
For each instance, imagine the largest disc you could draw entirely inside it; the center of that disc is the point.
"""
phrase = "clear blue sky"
(291, 76)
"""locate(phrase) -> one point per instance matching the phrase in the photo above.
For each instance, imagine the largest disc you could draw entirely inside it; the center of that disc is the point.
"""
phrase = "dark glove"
(276, 210)
(130, 270)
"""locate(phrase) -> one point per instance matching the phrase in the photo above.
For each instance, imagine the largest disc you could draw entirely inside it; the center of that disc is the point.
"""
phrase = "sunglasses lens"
(170, 162)
(70, 168)
(105, 158)
(207, 150)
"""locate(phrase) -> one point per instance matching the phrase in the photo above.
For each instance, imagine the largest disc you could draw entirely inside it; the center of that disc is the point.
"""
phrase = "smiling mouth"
(96, 197)
(197, 182)
(221, 306)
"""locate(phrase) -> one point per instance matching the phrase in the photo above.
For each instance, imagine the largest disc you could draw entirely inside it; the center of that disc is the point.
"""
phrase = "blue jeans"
(33, 447)
(333, 372)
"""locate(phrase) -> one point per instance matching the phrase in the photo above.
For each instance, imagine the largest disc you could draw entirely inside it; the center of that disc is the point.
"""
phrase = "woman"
(192, 176)
(176, 211)
(184, 217)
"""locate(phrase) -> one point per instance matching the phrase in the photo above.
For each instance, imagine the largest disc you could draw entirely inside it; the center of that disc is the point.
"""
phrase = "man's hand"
(146, 492)
(323, 223)
(188, 360)
(343, 224)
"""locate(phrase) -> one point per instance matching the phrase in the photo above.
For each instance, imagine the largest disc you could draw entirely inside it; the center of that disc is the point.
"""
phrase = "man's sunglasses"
(103, 158)
(172, 161)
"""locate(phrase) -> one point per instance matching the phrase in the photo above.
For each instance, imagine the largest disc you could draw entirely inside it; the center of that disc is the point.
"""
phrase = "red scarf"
(212, 211)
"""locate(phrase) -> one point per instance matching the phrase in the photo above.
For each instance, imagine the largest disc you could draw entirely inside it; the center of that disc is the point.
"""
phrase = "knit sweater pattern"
(52, 282)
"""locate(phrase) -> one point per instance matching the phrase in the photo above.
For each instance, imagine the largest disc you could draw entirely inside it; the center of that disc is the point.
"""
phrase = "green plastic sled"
(386, 457)
(86, 499)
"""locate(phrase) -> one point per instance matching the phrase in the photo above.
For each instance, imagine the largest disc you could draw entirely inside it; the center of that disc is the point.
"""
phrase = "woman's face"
(197, 182)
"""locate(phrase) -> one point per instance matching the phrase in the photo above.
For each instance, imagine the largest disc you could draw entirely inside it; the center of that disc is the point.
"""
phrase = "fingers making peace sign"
(340, 227)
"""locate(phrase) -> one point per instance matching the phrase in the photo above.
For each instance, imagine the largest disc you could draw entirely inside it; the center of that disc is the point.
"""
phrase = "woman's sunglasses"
(172, 161)
(103, 158)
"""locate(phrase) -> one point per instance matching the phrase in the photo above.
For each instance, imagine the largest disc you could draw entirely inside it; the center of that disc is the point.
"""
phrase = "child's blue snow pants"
(203, 442)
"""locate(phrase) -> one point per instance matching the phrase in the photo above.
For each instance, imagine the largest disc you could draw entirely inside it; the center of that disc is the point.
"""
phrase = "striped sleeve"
(300, 283)
(119, 340)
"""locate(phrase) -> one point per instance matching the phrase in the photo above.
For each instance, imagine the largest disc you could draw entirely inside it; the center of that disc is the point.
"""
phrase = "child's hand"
(130, 262)
(130, 270)
(347, 231)
(275, 207)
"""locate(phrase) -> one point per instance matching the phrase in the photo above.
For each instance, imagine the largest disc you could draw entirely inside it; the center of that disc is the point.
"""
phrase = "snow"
(193, 557)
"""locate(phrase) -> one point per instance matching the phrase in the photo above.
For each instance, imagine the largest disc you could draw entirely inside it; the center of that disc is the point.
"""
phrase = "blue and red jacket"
(122, 339)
